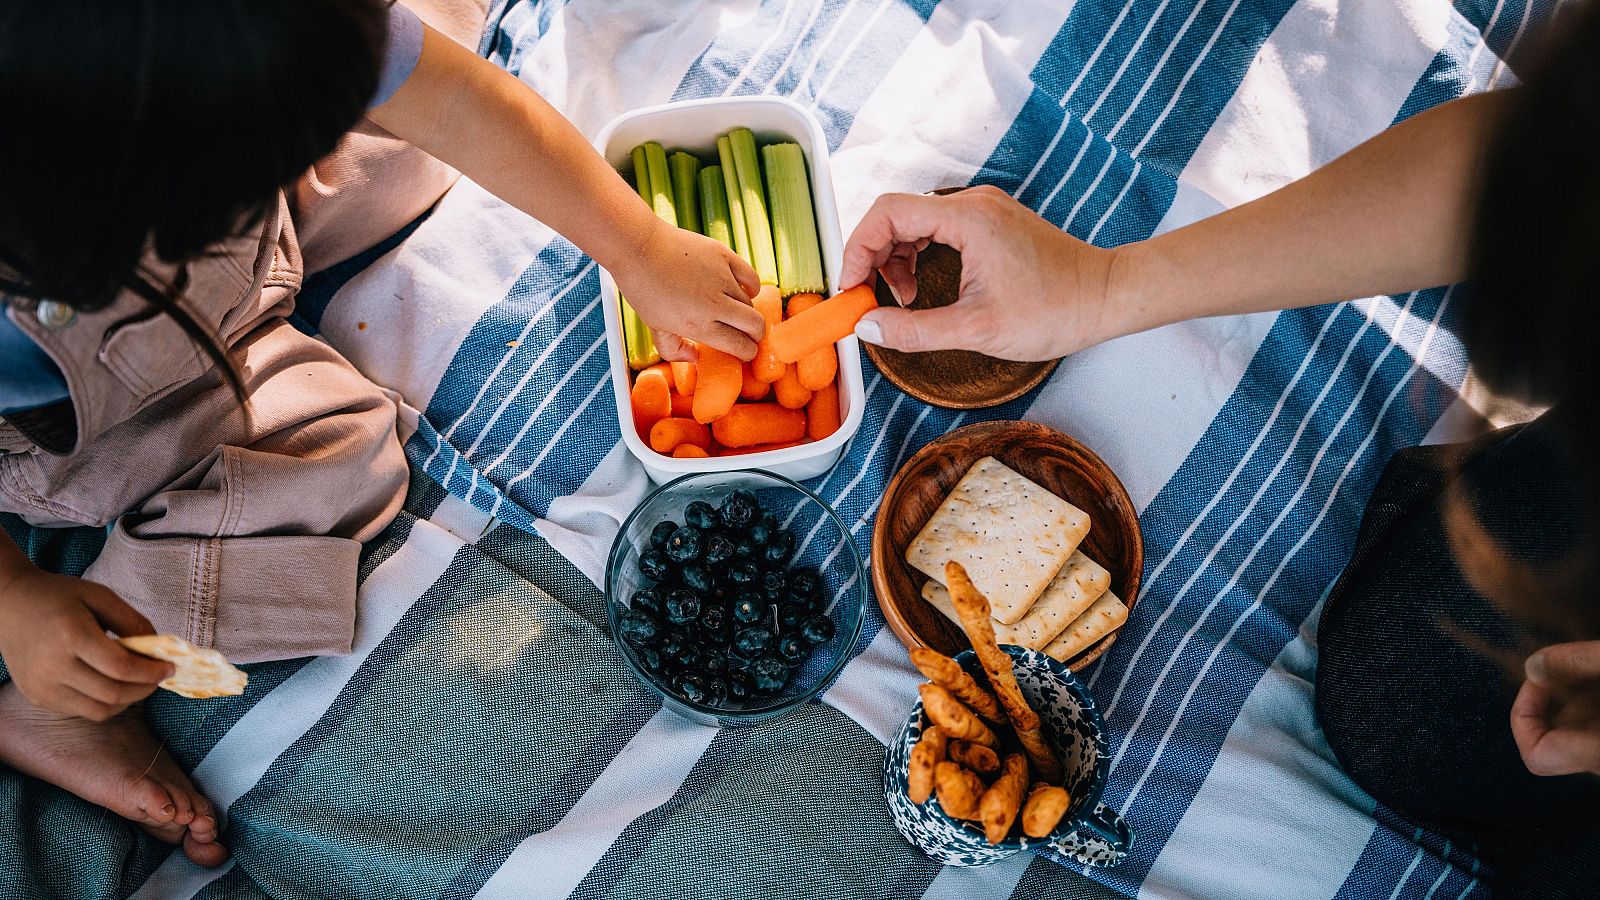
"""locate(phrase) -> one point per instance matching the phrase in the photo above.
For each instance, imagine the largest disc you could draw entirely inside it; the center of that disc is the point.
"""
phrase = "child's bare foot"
(117, 764)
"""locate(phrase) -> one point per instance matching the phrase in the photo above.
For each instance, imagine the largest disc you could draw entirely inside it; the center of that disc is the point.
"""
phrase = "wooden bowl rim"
(880, 556)
(876, 354)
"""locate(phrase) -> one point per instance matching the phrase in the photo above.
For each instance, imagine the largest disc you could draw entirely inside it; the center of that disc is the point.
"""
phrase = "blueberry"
(740, 685)
(713, 618)
(747, 547)
(670, 650)
(803, 584)
(739, 509)
(648, 601)
(688, 656)
(752, 642)
(779, 547)
(817, 630)
(749, 608)
(638, 629)
(713, 661)
(682, 606)
(655, 565)
(690, 686)
(773, 585)
(660, 533)
(790, 615)
(716, 690)
(696, 578)
(700, 515)
(685, 544)
(769, 674)
(794, 650)
(649, 658)
(761, 531)
(743, 573)
(719, 549)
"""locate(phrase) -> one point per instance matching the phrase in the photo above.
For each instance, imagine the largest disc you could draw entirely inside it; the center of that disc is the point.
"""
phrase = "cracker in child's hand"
(1079, 583)
(1105, 616)
(1011, 535)
(201, 672)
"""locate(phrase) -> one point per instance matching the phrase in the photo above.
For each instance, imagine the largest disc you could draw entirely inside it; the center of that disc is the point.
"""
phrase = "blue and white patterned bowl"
(1090, 832)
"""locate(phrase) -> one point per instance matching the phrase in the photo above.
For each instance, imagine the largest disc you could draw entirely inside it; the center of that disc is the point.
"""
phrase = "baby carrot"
(682, 405)
(668, 434)
(651, 397)
(822, 413)
(770, 304)
(683, 377)
(791, 393)
(754, 388)
(689, 451)
(821, 325)
(748, 424)
(717, 384)
(818, 367)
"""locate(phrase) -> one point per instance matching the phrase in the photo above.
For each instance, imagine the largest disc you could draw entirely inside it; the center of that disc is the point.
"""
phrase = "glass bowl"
(822, 543)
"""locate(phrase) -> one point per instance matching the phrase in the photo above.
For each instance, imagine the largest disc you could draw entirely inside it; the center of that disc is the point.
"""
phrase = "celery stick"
(730, 185)
(755, 204)
(641, 173)
(685, 190)
(714, 206)
(637, 342)
(794, 220)
(660, 183)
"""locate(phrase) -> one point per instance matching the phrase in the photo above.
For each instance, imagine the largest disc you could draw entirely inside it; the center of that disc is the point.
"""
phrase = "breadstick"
(925, 755)
(976, 757)
(954, 719)
(948, 674)
(1044, 809)
(974, 611)
(959, 790)
(999, 804)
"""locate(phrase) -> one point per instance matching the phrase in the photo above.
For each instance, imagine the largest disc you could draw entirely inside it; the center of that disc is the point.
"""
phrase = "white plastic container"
(695, 125)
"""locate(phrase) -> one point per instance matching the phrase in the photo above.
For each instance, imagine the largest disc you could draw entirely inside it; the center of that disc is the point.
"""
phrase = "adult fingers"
(117, 662)
(917, 331)
(900, 274)
(672, 347)
(1530, 717)
(901, 219)
(729, 340)
(1561, 664)
(1565, 751)
(113, 612)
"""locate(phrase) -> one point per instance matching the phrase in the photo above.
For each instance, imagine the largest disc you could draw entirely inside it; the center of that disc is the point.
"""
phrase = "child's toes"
(205, 853)
(184, 804)
(154, 802)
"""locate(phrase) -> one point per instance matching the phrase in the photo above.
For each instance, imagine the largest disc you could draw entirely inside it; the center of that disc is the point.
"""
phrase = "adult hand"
(1556, 716)
(686, 285)
(53, 637)
(1029, 291)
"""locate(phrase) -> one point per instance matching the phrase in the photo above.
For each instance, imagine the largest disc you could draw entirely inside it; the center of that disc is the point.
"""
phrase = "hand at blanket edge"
(1556, 716)
(1017, 272)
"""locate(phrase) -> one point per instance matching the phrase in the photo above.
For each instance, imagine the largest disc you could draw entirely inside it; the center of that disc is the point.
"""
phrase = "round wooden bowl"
(1051, 459)
(953, 379)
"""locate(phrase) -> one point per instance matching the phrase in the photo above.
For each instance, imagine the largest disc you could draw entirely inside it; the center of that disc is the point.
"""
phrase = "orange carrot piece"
(682, 405)
(769, 303)
(820, 326)
(761, 448)
(748, 424)
(651, 397)
(683, 374)
(668, 434)
(717, 384)
(818, 367)
(754, 388)
(689, 451)
(822, 413)
(791, 393)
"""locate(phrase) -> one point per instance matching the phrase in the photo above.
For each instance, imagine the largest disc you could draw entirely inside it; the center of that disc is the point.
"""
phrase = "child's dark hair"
(163, 125)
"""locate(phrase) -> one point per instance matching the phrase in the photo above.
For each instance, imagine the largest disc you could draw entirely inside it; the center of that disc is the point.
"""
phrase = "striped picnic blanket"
(485, 741)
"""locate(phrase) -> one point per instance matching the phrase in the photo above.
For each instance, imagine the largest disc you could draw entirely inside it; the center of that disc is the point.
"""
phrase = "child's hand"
(1556, 716)
(685, 285)
(53, 637)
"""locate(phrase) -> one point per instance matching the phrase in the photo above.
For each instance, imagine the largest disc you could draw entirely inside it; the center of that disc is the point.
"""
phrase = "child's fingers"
(672, 347)
(94, 685)
(742, 316)
(115, 661)
(729, 340)
(113, 612)
(744, 274)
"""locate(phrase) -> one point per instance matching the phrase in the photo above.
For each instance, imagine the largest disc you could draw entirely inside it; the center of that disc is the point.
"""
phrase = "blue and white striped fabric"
(1250, 445)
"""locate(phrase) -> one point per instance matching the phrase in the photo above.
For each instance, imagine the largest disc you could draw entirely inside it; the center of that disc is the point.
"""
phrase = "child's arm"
(53, 637)
(497, 131)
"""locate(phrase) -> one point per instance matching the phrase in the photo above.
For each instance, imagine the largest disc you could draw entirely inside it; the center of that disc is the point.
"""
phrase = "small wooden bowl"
(953, 379)
(1051, 459)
